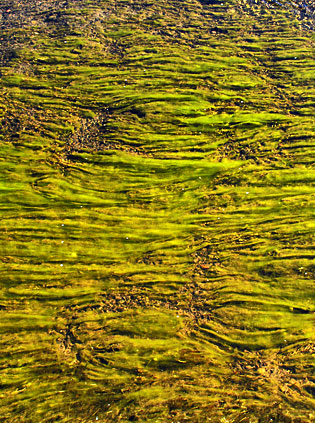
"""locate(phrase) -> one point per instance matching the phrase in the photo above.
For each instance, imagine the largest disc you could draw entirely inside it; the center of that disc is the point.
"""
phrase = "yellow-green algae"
(157, 212)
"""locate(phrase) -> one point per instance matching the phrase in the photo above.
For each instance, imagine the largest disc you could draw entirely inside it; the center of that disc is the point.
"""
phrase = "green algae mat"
(157, 211)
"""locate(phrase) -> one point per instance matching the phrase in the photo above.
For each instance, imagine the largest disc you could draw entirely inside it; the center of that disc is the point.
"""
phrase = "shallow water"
(157, 213)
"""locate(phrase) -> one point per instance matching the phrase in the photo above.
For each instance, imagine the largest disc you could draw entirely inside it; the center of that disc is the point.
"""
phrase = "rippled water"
(157, 212)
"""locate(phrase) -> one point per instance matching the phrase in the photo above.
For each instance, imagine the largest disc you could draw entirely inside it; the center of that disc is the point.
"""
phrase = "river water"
(157, 212)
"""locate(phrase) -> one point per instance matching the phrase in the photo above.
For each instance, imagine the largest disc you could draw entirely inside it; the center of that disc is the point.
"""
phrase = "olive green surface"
(157, 212)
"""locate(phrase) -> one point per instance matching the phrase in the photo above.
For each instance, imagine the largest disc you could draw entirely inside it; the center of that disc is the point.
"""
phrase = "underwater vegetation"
(157, 211)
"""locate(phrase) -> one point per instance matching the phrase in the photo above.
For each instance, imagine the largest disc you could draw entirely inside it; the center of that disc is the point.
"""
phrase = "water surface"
(157, 212)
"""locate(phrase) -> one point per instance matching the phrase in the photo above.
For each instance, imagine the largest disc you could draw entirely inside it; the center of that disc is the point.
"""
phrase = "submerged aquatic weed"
(157, 197)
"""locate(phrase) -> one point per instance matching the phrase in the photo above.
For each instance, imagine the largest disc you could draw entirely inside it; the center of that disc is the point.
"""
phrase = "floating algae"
(157, 211)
